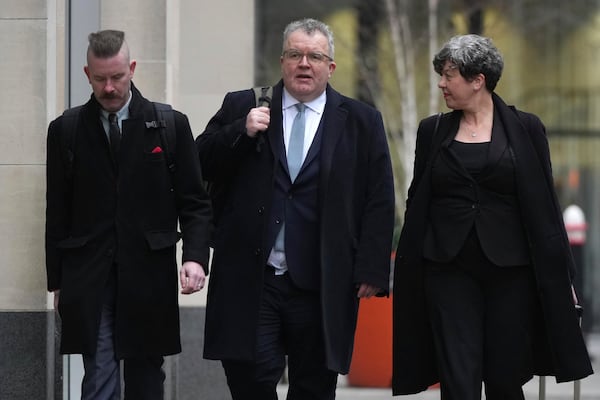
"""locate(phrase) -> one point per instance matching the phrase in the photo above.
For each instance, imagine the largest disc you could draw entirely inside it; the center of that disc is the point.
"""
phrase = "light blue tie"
(294, 159)
(296, 145)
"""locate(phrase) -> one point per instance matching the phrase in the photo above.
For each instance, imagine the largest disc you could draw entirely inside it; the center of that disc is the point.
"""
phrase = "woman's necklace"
(467, 125)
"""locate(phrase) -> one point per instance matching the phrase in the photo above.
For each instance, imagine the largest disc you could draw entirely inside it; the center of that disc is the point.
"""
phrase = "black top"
(473, 186)
(473, 156)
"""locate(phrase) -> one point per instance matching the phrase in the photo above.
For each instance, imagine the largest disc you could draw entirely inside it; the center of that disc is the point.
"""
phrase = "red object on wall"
(372, 358)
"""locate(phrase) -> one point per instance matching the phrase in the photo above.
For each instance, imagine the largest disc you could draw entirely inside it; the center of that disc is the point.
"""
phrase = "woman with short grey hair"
(482, 284)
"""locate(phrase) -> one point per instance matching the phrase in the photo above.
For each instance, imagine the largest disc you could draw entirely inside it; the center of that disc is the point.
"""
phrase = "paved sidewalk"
(590, 386)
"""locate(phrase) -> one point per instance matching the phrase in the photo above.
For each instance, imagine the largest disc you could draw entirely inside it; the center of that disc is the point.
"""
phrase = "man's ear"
(132, 65)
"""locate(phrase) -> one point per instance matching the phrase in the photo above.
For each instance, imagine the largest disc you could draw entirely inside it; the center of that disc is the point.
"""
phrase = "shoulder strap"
(435, 143)
(434, 139)
(68, 137)
(436, 127)
(165, 121)
(263, 96)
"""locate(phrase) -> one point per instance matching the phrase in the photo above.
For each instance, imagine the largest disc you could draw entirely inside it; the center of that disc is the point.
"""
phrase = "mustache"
(110, 96)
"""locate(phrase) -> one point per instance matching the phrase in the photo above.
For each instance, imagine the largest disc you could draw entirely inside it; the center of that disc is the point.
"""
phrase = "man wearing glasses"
(305, 228)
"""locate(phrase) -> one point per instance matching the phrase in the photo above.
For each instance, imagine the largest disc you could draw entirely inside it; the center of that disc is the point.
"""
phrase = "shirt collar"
(317, 105)
(123, 113)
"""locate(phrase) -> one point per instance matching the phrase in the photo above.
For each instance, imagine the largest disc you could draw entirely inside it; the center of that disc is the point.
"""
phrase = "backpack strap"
(435, 141)
(165, 122)
(263, 96)
(68, 138)
(436, 128)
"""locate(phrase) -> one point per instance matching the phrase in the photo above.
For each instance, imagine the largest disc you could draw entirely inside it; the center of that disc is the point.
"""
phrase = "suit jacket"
(98, 220)
(487, 203)
(356, 212)
(560, 348)
(296, 205)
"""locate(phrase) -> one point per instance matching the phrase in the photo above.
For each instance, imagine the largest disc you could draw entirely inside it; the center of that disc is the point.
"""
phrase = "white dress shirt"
(313, 113)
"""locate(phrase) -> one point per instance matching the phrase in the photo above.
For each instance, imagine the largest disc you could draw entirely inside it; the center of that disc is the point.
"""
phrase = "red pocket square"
(157, 149)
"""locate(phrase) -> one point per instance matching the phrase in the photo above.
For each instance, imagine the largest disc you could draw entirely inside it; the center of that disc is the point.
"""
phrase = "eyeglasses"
(312, 57)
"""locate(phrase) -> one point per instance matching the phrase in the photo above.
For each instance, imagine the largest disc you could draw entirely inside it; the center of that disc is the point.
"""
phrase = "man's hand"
(257, 120)
(366, 291)
(192, 277)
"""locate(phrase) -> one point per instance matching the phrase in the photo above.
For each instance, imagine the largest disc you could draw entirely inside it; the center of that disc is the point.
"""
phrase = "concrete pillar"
(28, 35)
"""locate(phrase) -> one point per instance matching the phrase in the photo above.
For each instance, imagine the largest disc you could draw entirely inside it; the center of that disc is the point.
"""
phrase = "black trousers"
(289, 325)
(481, 316)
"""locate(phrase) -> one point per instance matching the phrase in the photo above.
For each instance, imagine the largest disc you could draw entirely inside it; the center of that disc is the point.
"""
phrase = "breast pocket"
(154, 157)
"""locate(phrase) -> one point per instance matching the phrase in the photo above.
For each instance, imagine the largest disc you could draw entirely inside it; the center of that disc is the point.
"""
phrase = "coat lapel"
(314, 148)
(498, 146)
(334, 123)
(95, 130)
(451, 127)
(331, 127)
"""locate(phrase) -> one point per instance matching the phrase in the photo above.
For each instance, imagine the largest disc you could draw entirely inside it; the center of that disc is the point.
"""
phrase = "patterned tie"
(114, 134)
(296, 146)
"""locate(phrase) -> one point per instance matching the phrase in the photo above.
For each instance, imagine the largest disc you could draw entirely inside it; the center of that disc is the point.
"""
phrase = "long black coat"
(561, 349)
(97, 218)
(356, 204)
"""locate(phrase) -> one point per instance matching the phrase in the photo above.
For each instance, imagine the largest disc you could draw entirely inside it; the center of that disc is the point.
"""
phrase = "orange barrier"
(372, 358)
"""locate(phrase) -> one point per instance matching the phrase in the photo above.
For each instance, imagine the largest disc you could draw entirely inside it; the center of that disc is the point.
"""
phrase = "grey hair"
(107, 43)
(473, 55)
(310, 26)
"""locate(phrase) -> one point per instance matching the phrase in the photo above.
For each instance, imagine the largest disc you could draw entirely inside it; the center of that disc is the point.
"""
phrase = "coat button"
(277, 221)
(257, 251)
(261, 210)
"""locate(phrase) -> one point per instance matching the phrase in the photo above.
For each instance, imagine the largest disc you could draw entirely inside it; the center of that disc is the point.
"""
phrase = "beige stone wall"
(216, 55)
(144, 23)
(23, 108)
(189, 53)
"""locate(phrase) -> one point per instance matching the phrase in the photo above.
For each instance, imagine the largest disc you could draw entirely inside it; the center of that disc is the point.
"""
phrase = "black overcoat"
(96, 218)
(560, 350)
(356, 208)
